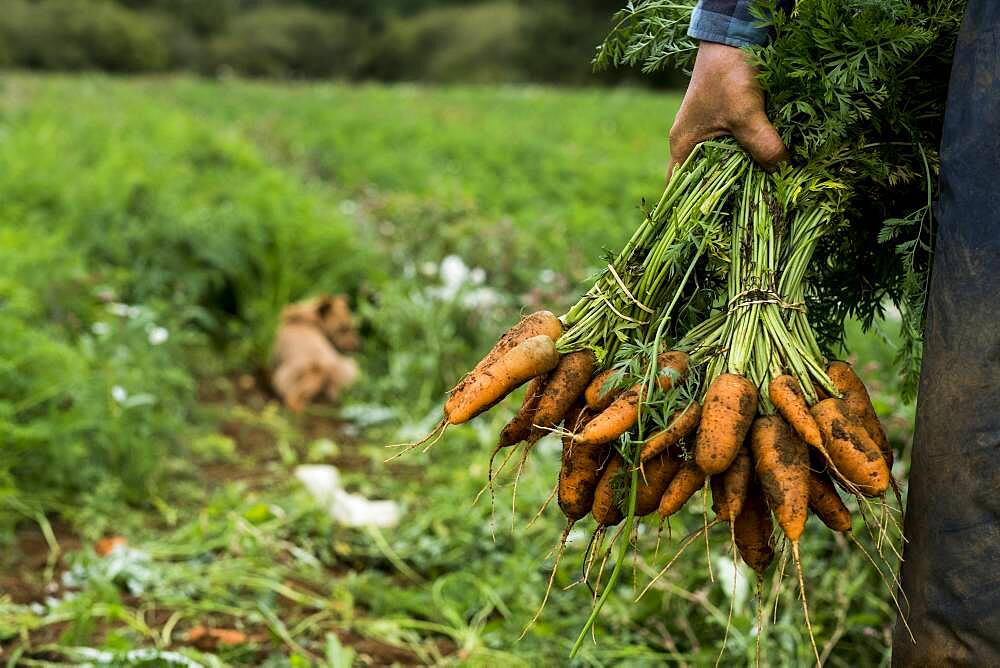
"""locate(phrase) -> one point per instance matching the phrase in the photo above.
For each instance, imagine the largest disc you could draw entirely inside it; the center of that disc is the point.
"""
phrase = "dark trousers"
(951, 568)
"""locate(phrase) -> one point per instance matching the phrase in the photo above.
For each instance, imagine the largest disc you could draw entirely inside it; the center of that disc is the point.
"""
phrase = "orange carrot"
(681, 423)
(605, 509)
(752, 530)
(726, 414)
(598, 395)
(521, 354)
(782, 465)
(654, 478)
(484, 388)
(752, 533)
(614, 420)
(623, 412)
(579, 475)
(826, 503)
(859, 403)
(729, 488)
(787, 396)
(533, 324)
(854, 454)
(562, 388)
(519, 427)
(672, 365)
(688, 480)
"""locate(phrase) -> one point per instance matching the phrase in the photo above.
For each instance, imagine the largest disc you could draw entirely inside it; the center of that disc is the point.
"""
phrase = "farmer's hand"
(724, 98)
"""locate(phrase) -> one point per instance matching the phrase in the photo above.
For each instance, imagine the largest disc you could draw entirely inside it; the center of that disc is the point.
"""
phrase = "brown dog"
(307, 361)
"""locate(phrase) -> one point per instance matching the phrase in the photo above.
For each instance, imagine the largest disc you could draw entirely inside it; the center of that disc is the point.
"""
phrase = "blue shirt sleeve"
(727, 22)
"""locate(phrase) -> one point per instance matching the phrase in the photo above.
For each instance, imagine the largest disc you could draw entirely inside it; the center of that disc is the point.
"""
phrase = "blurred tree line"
(390, 40)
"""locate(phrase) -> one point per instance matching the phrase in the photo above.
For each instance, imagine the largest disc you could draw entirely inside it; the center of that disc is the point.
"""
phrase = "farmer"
(951, 572)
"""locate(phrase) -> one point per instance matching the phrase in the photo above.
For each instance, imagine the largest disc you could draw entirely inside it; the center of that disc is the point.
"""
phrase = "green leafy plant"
(857, 92)
(163, 195)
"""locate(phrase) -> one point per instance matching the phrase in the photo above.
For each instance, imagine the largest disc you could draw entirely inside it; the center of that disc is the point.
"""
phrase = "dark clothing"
(951, 572)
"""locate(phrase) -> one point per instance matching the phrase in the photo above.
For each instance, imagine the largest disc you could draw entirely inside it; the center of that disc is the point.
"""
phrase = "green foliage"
(203, 213)
(476, 44)
(857, 91)
(432, 40)
(651, 35)
(289, 41)
(188, 229)
(557, 42)
(866, 97)
(183, 47)
(200, 208)
(204, 17)
(56, 34)
(91, 392)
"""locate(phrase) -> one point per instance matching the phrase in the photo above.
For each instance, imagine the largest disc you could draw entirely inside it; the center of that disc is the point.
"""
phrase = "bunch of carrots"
(659, 392)
(693, 362)
(784, 463)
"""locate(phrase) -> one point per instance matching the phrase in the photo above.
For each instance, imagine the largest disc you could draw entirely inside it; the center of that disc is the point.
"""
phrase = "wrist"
(722, 55)
(724, 68)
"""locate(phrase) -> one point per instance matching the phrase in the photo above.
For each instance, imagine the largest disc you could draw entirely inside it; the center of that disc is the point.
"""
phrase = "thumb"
(759, 137)
(681, 145)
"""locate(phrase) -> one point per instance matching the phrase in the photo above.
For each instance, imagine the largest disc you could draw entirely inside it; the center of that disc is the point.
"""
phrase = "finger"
(759, 137)
(681, 145)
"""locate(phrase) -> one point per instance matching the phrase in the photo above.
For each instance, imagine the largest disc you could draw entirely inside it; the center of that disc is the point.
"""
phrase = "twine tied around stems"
(596, 290)
(758, 296)
(635, 301)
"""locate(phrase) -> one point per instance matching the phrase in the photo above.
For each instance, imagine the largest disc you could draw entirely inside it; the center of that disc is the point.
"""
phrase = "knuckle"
(677, 137)
(775, 152)
(744, 118)
(674, 135)
(770, 153)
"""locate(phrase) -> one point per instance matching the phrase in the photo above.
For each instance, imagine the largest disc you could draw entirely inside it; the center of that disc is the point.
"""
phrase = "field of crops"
(150, 232)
